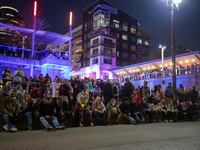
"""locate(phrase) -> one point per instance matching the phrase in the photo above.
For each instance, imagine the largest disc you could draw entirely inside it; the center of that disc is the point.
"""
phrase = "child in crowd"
(156, 111)
(125, 109)
(137, 95)
(113, 110)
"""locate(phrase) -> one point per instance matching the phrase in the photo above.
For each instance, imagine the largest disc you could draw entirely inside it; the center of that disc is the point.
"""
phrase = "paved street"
(175, 136)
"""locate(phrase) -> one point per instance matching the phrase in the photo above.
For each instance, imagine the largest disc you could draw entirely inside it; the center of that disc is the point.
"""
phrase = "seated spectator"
(113, 110)
(25, 110)
(144, 108)
(34, 93)
(125, 109)
(137, 95)
(7, 88)
(10, 110)
(62, 111)
(55, 89)
(135, 112)
(19, 74)
(46, 111)
(99, 110)
(19, 93)
(34, 81)
(7, 75)
(81, 112)
(34, 107)
(197, 110)
(156, 111)
(41, 79)
(182, 111)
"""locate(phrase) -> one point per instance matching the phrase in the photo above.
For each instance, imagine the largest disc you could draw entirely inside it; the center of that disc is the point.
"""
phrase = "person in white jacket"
(55, 89)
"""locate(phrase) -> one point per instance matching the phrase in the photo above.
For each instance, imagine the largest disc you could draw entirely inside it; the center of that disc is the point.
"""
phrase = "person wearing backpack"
(168, 96)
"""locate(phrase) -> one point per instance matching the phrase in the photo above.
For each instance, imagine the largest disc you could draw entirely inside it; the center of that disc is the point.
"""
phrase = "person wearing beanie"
(113, 110)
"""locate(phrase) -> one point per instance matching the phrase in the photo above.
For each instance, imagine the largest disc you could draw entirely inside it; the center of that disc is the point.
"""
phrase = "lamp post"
(70, 35)
(174, 4)
(162, 54)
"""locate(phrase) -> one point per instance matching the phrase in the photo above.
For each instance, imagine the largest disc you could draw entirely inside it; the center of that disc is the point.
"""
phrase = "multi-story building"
(9, 15)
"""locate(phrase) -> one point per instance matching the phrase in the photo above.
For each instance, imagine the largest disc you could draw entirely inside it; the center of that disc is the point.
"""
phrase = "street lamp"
(174, 4)
(162, 54)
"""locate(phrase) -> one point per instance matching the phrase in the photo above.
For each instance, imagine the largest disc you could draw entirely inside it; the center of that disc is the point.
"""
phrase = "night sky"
(149, 13)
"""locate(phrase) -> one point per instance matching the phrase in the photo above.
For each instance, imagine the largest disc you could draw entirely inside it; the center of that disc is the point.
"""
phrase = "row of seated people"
(46, 110)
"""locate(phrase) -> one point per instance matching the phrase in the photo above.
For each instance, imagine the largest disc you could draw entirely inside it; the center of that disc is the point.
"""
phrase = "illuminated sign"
(110, 9)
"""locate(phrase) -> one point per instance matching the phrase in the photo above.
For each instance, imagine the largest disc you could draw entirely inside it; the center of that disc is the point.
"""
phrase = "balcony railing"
(109, 34)
(157, 74)
(38, 55)
(102, 53)
(111, 45)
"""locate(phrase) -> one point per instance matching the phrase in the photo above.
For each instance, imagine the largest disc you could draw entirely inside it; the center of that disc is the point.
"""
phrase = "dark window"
(125, 55)
(88, 62)
(96, 41)
(125, 46)
(95, 61)
(95, 51)
(107, 51)
(107, 61)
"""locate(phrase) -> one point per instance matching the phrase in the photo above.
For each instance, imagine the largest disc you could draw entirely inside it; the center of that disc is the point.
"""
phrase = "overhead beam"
(156, 65)
(126, 71)
(139, 68)
(178, 64)
(197, 57)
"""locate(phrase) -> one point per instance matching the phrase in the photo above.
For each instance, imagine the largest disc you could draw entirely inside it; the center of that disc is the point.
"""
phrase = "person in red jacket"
(137, 95)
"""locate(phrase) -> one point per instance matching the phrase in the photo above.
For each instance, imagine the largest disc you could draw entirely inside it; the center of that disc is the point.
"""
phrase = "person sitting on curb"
(99, 109)
(125, 109)
(113, 110)
(10, 109)
(46, 111)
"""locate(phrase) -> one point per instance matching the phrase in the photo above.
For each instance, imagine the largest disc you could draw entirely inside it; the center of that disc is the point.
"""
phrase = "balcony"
(111, 45)
(141, 53)
(102, 53)
(107, 34)
(79, 51)
(78, 60)
(79, 42)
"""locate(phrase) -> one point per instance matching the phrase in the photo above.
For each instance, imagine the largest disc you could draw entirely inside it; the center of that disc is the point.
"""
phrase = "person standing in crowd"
(7, 88)
(181, 94)
(99, 109)
(113, 110)
(77, 87)
(55, 89)
(24, 82)
(41, 79)
(108, 92)
(7, 75)
(46, 111)
(35, 92)
(10, 109)
(194, 95)
(160, 92)
(64, 91)
(125, 109)
(168, 94)
(145, 90)
(128, 89)
(117, 92)
(35, 81)
(19, 74)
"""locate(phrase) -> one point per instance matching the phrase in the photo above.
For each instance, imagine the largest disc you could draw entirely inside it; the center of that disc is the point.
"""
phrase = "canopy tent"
(43, 37)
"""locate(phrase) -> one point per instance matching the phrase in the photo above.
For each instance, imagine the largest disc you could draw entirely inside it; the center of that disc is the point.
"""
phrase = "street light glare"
(177, 1)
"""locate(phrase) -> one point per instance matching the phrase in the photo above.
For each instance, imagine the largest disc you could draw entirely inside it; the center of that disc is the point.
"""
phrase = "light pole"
(162, 54)
(174, 4)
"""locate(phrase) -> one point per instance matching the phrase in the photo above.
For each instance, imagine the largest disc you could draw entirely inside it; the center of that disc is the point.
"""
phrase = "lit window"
(116, 23)
(107, 51)
(139, 41)
(133, 29)
(146, 43)
(101, 19)
(117, 53)
(95, 61)
(125, 26)
(124, 37)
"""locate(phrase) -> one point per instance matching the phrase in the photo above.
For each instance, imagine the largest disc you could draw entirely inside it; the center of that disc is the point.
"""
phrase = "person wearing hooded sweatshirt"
(82, 115)
(194, 95)
(10, 109)
(125, 109)
(19, 74)
(113, 110)
(99, 109)
(128, 89)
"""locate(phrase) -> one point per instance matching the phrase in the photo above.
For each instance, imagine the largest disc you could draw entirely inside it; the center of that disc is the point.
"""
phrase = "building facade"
(9, 15)
(109, 40)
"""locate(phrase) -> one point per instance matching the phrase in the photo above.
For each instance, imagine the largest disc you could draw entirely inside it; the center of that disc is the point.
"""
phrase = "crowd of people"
(78, 100)
(40, 53)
